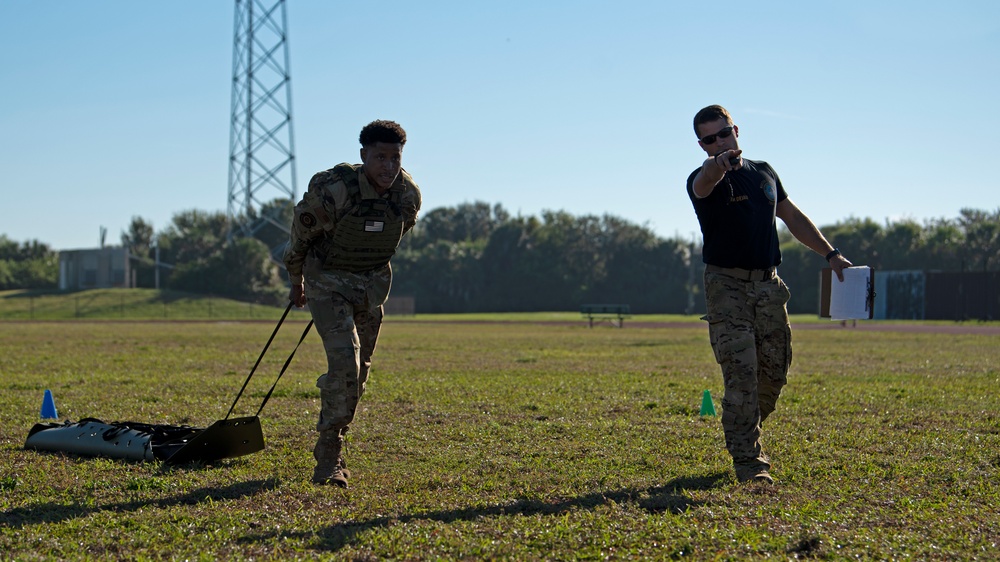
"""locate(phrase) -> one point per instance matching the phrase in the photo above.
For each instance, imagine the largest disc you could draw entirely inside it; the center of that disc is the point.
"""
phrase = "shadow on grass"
(57, 512)
(658, 499)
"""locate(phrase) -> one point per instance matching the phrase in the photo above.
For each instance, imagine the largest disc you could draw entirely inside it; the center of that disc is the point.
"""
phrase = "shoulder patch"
(768, 188)
(308, 220)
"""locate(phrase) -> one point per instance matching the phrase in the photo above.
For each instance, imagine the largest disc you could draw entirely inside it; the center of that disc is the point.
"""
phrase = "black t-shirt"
(737, 217)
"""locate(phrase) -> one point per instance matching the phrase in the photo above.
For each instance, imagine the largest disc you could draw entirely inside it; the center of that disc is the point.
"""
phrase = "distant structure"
(261, 149)
(95, 268)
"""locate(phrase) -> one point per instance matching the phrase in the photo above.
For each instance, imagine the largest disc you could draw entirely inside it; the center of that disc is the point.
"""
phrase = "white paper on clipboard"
(853, 298)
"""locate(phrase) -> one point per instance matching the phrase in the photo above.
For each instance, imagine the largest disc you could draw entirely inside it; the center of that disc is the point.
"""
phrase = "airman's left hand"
(838, 263)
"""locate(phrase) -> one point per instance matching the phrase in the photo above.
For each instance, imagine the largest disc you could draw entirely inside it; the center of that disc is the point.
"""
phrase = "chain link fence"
(130, 305)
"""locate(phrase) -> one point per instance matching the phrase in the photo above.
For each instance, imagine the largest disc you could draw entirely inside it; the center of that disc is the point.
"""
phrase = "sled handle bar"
(262, 352)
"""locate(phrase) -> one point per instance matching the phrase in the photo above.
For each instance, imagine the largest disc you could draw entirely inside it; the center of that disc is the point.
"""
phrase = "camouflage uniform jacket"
(315, 220)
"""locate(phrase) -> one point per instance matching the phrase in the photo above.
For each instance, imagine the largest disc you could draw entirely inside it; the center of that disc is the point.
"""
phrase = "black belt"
(744, 274)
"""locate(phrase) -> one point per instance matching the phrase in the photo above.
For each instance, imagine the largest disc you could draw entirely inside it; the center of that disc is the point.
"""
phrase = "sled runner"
(172, 444)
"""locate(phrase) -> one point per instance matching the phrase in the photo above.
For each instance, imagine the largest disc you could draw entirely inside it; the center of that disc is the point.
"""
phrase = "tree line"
(477, 257)
(27, 265)
(474, 257)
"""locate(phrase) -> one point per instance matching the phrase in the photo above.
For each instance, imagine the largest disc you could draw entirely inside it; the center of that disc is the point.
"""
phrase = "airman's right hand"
(728, 160)
(297, 295)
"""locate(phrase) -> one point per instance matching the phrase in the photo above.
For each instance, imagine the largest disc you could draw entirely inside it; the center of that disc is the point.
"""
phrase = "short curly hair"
(382, 131)
(709, 114)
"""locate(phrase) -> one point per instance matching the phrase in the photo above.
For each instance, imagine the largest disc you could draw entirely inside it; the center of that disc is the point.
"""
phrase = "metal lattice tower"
(261, 149)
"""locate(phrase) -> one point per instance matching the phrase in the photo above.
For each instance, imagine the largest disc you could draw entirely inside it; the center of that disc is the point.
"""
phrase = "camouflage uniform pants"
(349, 332)
(748, 328)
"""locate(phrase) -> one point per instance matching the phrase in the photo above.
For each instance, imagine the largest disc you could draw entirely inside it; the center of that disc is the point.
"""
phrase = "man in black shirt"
(737, 202)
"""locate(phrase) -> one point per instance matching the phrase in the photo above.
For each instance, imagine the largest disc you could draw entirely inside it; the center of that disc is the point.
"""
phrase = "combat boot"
(756, 474)
(760, 477)
(757, 470)
(328, 461)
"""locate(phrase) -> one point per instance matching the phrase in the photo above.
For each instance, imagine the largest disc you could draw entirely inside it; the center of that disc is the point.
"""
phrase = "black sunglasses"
(710, 139)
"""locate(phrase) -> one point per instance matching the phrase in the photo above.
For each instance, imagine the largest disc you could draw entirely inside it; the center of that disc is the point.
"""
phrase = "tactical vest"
(367, 235)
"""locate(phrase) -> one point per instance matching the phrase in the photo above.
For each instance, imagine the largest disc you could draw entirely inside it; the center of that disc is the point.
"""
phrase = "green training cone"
(707, 406)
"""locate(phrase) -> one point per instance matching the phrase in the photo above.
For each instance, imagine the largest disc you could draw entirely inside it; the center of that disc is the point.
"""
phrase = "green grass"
(515, 440)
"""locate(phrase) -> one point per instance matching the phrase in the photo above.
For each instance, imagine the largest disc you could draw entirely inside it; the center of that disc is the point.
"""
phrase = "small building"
(97, 268)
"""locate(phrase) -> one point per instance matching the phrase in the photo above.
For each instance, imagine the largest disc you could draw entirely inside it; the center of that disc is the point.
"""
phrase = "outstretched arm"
(803, 229)
(713, 170)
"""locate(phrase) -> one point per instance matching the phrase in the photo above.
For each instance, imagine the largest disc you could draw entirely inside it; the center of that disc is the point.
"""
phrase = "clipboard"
(852, 299)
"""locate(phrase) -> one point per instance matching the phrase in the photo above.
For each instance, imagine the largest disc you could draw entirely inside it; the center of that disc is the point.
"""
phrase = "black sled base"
(141, 441)
(224, 439)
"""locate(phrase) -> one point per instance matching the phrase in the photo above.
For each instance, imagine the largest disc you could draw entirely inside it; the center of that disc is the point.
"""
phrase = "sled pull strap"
(262, 352)
(285, 366)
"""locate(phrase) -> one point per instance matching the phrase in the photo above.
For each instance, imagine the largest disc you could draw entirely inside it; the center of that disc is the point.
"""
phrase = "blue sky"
(887, 110)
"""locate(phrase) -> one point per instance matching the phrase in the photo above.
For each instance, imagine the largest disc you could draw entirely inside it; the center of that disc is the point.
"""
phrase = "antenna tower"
(261, 148)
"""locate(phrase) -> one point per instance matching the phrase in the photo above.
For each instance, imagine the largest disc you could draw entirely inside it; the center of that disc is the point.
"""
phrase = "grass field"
(509, 440)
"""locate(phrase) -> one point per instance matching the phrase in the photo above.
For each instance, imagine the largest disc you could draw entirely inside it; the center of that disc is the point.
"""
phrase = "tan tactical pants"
(748, 328)
(349, 335)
